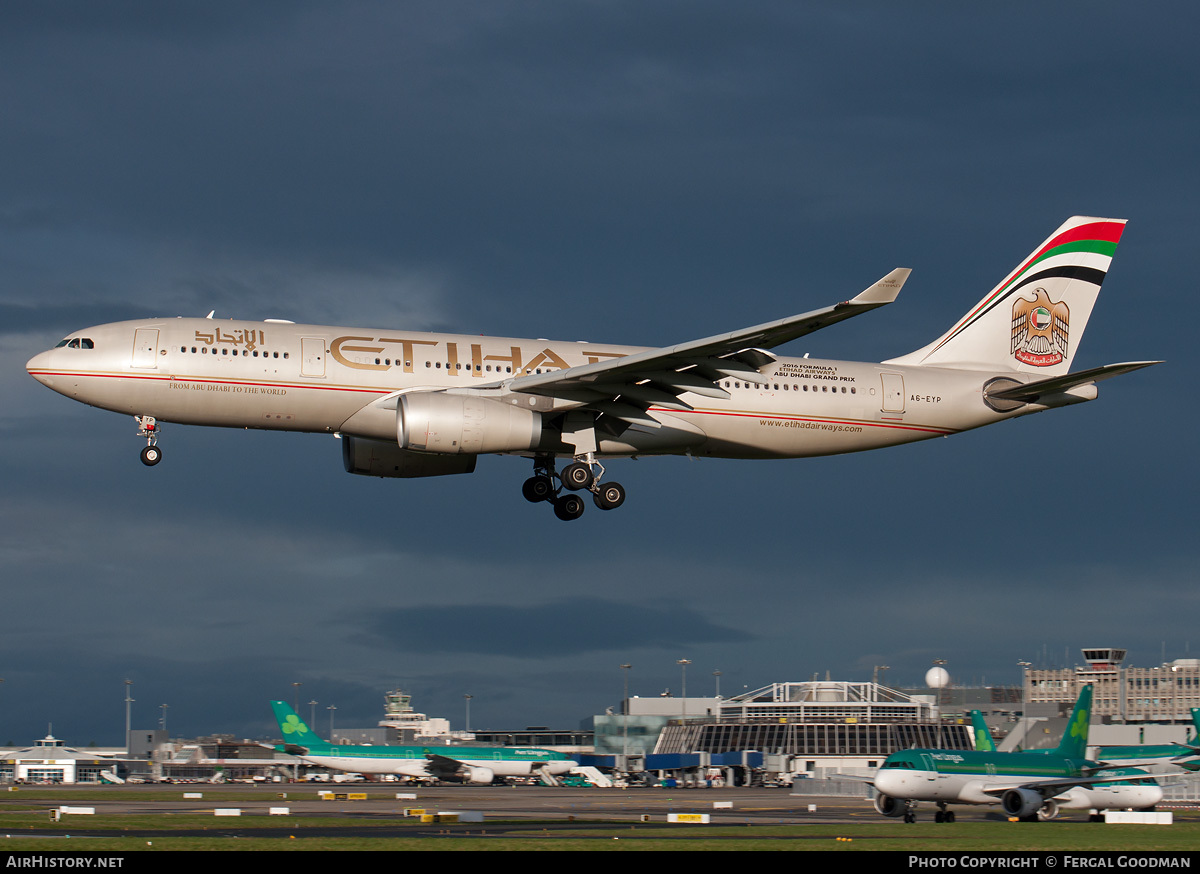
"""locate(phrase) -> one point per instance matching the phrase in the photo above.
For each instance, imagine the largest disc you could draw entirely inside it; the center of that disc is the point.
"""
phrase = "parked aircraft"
(468, 764)
(1027, 785)
(1182, 755)
(409, 404)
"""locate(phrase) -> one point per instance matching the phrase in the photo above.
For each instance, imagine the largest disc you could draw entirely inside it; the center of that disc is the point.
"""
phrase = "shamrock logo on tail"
(293, 725)
(1079, 728)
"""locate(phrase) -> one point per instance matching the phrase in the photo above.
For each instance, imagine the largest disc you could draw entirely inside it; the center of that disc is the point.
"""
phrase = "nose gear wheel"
(148, 428)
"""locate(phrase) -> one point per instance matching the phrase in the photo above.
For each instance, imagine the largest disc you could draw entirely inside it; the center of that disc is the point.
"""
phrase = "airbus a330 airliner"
(410, 404)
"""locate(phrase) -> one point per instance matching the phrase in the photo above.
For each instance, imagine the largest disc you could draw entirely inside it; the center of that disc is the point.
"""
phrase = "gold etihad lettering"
(345, 350)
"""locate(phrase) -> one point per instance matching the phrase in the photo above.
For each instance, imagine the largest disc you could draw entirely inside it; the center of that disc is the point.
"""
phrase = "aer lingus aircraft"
(1027, 785)
(409, 404)
(455, 763)
(1181, 755)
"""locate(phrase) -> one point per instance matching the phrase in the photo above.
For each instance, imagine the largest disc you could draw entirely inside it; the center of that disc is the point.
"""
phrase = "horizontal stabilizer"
(1031, 392)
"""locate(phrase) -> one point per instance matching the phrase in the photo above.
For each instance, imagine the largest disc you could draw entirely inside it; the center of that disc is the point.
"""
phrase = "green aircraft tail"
(294, 729)
(1074, 740)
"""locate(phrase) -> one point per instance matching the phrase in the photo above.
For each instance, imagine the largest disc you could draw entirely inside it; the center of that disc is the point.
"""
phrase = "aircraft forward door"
(312, 356)
(893, 392)
(145, 348)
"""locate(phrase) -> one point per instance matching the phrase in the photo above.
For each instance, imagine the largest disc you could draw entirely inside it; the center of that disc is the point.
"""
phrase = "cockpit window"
(75, 343)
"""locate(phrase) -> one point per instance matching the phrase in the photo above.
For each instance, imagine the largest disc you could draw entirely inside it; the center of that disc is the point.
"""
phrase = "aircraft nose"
(888, 783)
(37, 367)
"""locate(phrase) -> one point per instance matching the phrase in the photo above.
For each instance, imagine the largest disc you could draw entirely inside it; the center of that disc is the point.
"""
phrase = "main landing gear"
(943, 814)
(148, 428)
(575, 477)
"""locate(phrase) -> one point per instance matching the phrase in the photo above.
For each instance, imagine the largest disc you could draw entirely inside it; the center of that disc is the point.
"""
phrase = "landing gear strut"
(148, 428)
(582, 474)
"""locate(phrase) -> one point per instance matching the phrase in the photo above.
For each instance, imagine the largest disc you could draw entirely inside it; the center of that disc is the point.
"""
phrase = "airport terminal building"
(798, 728)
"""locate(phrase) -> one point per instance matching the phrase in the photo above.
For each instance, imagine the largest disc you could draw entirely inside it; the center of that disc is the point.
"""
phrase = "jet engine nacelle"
(1021, 803)
(889, 806)
(465, 424)
(384, 458)
(479, 775)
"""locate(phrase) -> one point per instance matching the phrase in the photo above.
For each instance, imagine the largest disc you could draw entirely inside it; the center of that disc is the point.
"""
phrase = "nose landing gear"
(148, 428)
(580, 475)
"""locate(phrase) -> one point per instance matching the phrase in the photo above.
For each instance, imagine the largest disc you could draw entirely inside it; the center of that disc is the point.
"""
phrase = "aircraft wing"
(1054, 786)
(443, 767)
(660, 376)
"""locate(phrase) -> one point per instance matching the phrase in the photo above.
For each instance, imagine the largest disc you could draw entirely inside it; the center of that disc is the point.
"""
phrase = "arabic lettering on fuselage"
(247, 337)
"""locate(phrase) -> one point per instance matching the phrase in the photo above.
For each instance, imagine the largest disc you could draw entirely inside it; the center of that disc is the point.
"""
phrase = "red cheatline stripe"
(860, 423)
(857, 422)
(161, 378)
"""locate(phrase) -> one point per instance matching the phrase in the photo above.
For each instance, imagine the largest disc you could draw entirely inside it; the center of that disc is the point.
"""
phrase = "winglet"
(886, 289)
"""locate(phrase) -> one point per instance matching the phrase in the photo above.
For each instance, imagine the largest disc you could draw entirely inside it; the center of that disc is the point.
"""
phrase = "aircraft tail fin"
(983, 735)
(295, 731)
(1074, 740)
(1033, 320)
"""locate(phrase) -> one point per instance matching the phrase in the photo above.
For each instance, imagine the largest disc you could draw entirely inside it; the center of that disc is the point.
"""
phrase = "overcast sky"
(637, 172)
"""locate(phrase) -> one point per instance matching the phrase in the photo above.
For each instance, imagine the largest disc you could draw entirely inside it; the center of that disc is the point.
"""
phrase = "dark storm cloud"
(571, 626)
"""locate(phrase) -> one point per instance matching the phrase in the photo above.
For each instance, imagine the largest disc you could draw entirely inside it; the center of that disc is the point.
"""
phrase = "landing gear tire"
(569, 507)
(909, 816)
(537, 489)
(609, 496)
(577, 476)
(151, 456)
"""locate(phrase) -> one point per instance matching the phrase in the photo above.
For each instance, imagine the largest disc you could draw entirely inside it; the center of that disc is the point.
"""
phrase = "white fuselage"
(284, 376)
(919, 785)
(419, 766)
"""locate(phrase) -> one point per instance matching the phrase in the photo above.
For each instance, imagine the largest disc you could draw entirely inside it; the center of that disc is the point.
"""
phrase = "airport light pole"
(683, 663)
(331, 708)
(128, 701)
(937, 678)
(163, 719)
(717, 677)
(625, 709)
(312, 713)
(296, 692)
(467, 698)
